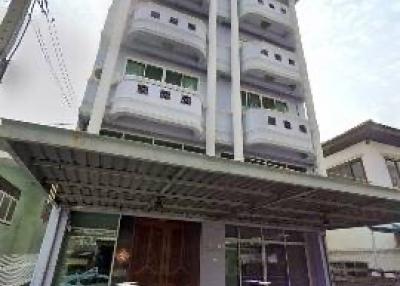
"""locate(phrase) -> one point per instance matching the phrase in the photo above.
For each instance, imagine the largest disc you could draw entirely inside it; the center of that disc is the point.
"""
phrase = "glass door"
(276, 263)
(265, 257)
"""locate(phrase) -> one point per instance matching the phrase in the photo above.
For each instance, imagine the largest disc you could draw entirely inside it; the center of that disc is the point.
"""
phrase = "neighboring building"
(146, 191)
(22, 222)
(368, 153)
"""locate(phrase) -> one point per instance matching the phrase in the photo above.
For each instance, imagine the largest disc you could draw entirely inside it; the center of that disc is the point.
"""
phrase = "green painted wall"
(24, 235)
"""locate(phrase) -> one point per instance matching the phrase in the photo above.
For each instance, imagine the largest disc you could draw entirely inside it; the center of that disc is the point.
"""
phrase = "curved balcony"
(270, 64)
(139, 98)
(266, 17)
(196, 6)
(266, 127)
(161, 31)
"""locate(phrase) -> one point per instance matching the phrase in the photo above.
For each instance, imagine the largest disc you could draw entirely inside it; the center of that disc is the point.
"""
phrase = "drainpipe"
(211, 79)
(100, 101)
(236, 105)
(308, 98)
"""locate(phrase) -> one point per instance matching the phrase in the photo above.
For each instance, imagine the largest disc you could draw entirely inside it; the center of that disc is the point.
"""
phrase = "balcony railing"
(156, 29)
(266, 62)
(267, 127)
(142, 98)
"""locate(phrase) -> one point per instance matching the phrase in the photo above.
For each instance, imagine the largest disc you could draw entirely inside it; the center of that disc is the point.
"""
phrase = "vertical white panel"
(212, 254)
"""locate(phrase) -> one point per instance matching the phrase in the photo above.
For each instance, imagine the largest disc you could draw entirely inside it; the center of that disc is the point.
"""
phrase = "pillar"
(48, 255)
(211, 79)
(236, 104)
(317, 259)
(100, 101)
(314, 129)
(212, 254)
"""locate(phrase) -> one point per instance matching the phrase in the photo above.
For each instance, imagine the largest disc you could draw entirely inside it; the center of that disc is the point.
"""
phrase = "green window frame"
(154, 72)
(253, 100)
(281, 106)
(190, 82)
(135, 68)
(243, 96)
(174, 78)
(268, 103)
(8, 205)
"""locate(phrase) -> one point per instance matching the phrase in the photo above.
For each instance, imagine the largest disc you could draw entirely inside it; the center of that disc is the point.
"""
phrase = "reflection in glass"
(276, 265)
(273, 256)
(251, 263)
(232, 264)
(87, 251)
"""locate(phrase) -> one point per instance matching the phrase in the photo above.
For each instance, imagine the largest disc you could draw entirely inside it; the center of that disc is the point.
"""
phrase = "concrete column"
(314, 129)
(236, 104)
(100, 101)
(212, 254)
(317, 259)
(48, 255)
(211, 79)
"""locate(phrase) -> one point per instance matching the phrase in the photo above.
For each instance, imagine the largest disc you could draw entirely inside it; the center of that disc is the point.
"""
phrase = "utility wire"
(64, 83)
(45, 53)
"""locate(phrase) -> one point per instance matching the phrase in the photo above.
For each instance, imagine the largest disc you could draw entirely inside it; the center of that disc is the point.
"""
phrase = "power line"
(45, 53)
(64, 83)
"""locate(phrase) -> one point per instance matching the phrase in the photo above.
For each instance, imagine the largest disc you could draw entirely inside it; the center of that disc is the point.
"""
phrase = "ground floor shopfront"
(107, 249)
(187, 219)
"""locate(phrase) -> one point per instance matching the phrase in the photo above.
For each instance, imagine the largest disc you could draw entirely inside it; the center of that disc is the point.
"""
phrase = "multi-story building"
(221, 78)
(369, 153)
(146, 191)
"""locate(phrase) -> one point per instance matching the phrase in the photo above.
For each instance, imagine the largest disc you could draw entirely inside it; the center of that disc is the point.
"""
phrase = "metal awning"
(101, 173)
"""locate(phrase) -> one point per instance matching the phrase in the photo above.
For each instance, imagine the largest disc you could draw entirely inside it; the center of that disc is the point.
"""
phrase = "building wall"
(287, 153)
(20, 241)
(357, 244)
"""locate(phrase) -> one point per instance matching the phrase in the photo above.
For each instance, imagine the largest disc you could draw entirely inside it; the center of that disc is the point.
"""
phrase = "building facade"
(22, 222)
(197, 160)
(222, 78)
(368, 153)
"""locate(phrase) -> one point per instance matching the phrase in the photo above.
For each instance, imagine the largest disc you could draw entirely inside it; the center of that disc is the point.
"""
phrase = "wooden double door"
(165, 253)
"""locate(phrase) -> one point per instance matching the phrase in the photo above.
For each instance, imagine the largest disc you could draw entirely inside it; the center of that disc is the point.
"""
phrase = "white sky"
(352, 49)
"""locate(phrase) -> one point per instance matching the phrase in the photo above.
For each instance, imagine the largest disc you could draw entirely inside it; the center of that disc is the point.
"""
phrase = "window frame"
(164, 74)
(396, 163)
(7, 218)
(349, 165)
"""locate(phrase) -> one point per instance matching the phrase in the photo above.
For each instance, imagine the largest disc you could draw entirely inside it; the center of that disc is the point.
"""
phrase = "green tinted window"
(244, 98)
(254, 100)
(174, 78)
(4, 207)
(281, 106)
(190, 82)
(268, 103)
(134, 68)
(153, 72)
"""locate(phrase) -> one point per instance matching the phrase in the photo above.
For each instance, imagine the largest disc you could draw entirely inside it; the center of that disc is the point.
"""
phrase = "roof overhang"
(101, 173)
(366, 131)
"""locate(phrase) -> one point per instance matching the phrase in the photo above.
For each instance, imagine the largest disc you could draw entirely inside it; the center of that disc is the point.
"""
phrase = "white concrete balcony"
(266, 62)
(267, 127)
(157, 102)
(161, 31)
(197, 6)
(263, 16)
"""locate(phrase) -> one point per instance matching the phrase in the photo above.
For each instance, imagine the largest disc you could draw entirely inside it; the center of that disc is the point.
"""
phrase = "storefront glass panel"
(87, 252)
(265, 257)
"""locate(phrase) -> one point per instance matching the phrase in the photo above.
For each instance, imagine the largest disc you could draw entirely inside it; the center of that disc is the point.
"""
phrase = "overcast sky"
(352, 49)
